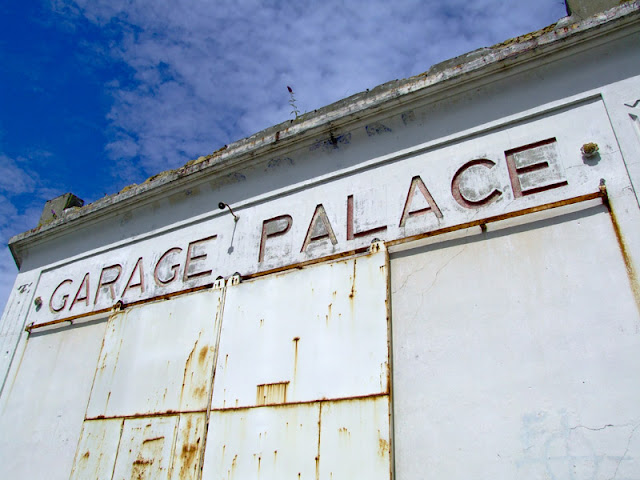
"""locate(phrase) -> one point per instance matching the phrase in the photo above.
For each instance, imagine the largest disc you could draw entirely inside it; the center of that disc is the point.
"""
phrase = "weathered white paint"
(97, 449)
(301, 386)
(44, 403)
(323, 440)
(145, 448)
(165, 447)
(355, 439)
(321, 331)
(266, 442)
(514, 352)
(158, 358)
(13, 320)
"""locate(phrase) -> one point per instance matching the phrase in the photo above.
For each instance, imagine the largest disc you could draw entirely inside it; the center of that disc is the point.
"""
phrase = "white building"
(436, 278)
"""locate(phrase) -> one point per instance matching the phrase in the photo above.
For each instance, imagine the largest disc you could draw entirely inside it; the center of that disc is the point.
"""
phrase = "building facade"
(434, 278)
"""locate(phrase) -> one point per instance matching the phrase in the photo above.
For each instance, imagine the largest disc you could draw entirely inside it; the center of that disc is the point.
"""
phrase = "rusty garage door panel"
(145, 448)
(158, 358)
(164, 447)
(97, 449)
(189, 446)
(343, 439)
(355, 440)
(267, 442)
(301, 387)
(310, 334)
(49, 397)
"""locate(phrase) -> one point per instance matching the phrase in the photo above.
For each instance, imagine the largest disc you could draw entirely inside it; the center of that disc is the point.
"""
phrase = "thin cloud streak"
(206, 74)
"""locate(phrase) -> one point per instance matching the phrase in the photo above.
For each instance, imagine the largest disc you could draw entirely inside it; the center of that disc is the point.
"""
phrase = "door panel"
(515, 354)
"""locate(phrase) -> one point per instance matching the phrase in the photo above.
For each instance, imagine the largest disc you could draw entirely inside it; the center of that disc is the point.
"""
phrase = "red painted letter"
(65, 297)
(172, 268)
(531, 158)
(85, 298)
(190, 258)
(319, 228)
(458, 180)
(270, 230)
(351, 233)
(140, 284)
(417, 183)
(109, 284)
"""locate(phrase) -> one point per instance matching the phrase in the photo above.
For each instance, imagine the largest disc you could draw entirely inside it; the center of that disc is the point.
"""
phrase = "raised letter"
(538, 156)
(85, 284)
(416, 182)
(173, 268)
(458, 178)
(140, 283)
(109, 283)
(351, 233)
(65, 297)
(319, 228)
(190, 258)
(269, 231)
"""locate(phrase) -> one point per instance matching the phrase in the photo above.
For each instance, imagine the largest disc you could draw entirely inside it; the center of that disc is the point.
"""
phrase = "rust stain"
(498, 218)
(200, 392)
(202, 356)
(154, 439)
(628, 263)
(190, 357)
(383, 447)
(319, 435)
(189, 455)
(355, 398)
(301, 265)
(142, 461)
(388, 369)
(295, 356)
(140, 468)
(272, 393)
(165, 296)
(353, 281)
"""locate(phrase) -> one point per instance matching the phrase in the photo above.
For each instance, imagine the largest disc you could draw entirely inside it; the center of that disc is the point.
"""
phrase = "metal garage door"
(517, 352)
(283, 376)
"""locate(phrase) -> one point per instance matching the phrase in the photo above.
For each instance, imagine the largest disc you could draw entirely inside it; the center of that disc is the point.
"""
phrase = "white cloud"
(13, 179)
(208, 73)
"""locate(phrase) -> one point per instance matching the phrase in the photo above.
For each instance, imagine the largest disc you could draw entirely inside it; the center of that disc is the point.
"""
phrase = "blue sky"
(96, 95)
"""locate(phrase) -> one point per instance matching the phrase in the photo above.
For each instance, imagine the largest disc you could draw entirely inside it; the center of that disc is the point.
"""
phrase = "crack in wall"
(615, 473)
